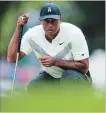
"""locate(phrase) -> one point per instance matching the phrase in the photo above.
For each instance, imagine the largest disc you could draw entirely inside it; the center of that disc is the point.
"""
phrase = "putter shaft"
(13, 84)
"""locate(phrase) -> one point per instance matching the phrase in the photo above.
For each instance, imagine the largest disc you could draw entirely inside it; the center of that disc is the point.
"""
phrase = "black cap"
(50, 10)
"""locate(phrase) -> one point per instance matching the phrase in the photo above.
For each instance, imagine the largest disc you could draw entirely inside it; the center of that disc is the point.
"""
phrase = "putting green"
(63, 97)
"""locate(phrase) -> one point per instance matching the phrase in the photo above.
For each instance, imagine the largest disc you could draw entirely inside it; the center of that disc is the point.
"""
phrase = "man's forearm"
(13, 46)
(71, 64)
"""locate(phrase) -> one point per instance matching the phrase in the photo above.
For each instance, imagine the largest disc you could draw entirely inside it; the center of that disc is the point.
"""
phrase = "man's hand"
(47, 61)
(22, 20)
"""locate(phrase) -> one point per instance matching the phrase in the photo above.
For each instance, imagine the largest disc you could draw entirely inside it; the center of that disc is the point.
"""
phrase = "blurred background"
(87, 15)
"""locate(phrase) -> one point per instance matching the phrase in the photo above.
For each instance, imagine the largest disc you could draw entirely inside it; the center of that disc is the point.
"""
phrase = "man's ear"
(41, 22)
(61, 19)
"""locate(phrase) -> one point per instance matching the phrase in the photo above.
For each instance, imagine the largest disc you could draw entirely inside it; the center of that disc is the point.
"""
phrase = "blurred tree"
(6, 23)
(94, 24)
(3, 7)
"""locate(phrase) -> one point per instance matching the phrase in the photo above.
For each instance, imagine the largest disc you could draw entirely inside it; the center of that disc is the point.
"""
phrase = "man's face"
(51, 27)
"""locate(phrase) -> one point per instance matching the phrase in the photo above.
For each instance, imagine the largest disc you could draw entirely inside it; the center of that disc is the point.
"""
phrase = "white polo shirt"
(69, 44)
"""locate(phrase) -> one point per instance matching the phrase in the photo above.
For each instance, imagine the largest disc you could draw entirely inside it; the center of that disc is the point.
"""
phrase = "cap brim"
(50, 16)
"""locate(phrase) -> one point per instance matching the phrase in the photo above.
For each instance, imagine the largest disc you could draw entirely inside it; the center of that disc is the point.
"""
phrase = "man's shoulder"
(35, 28)
(71, 32)
(70, 27)
(35, 31)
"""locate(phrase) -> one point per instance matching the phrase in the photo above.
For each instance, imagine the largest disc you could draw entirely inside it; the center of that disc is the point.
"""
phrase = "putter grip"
(19, 41)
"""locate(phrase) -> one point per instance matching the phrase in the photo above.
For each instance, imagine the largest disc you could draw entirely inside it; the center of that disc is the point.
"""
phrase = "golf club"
(19, 44)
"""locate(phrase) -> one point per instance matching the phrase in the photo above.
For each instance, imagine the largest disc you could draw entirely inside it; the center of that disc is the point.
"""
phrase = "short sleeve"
(79, 46)
(25, 46)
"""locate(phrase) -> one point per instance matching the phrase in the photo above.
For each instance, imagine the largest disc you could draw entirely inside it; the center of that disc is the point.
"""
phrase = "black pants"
(69, 75)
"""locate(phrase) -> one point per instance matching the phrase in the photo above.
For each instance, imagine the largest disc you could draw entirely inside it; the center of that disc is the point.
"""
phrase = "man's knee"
(74, 75)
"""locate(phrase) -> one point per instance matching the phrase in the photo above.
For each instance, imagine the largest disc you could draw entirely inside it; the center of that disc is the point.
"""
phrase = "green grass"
(63, 97)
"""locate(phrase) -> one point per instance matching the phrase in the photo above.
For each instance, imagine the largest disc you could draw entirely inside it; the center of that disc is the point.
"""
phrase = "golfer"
(60, 47)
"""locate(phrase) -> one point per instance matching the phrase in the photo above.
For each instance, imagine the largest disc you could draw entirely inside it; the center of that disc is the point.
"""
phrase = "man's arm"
(81, 65)
(13, 46)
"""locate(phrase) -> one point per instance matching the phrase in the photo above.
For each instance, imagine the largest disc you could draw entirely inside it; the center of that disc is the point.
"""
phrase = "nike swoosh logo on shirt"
(61, 43)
